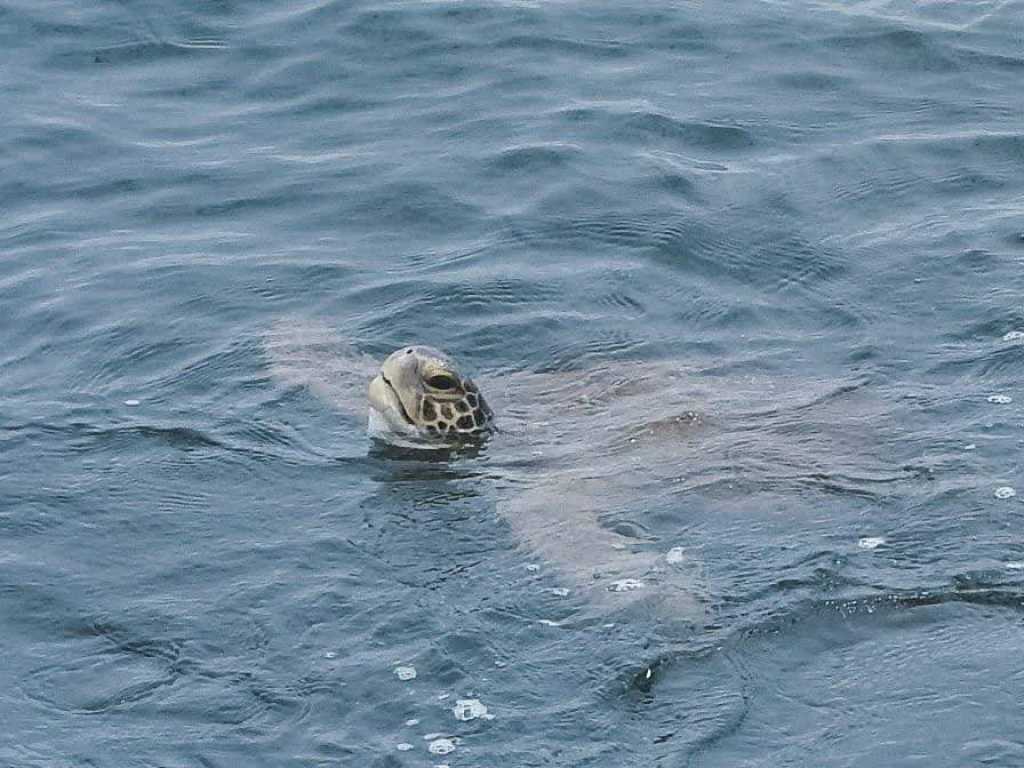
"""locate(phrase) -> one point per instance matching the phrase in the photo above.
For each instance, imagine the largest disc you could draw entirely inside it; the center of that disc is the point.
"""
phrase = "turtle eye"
(441, 381)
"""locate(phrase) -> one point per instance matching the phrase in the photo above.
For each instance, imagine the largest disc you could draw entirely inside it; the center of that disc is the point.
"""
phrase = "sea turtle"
(563, 447)
(577, 459)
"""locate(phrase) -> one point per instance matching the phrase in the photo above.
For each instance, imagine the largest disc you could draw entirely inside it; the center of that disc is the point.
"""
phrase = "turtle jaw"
(398, 402)
(386, 402)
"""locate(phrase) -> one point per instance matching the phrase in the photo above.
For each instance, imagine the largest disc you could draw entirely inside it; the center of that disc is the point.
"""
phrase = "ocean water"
(743, 280)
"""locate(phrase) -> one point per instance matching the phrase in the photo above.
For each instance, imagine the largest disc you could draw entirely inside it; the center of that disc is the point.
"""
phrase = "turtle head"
(420, 391)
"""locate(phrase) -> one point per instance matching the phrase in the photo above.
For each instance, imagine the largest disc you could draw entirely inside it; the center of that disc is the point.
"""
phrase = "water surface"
(801, 222)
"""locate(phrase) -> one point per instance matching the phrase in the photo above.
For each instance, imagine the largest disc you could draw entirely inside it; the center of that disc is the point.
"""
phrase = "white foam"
(470, 709)
(675, 555)
(1000, 399)
(412, 722)
(626, 585)
(441, 746)
(559, 591)
(1004, 492)
(1014, 336)
(131, 403)
(403, 747)
(405, 673)
(1015, 565)
(870, 542)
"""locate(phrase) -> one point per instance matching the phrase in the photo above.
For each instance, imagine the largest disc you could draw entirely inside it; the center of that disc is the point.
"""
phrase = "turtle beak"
(385, 400)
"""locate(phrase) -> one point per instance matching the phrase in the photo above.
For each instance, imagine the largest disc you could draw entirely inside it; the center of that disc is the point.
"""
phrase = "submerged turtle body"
(561, 459)
(585, 460)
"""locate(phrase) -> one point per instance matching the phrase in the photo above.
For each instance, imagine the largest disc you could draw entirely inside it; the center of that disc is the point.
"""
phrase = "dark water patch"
(906, 49)
(533, 159)
(814, 81)
(418, 205)
(641, 126)
(1005, 361)
(676, 184)
(387, 27)
(967, 181)
(705, 135)
(88, 438)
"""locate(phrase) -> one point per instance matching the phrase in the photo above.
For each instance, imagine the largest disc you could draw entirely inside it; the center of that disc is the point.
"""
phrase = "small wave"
(636, 125)
(533, 159)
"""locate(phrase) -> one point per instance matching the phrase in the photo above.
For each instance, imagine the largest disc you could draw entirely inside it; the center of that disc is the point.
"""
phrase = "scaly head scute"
(421, 390)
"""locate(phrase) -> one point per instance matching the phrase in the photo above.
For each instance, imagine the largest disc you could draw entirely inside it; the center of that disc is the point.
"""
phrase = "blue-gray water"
(814, 204)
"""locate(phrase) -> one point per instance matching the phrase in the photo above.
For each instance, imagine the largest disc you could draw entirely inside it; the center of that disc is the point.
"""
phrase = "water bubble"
(870, 542)
(470, 709)
(1000, 399)
(1004, 492)
(403, 747)
(441, 746)
(675, 555)
(1014, 336)
(625, 585)
(405, 673)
